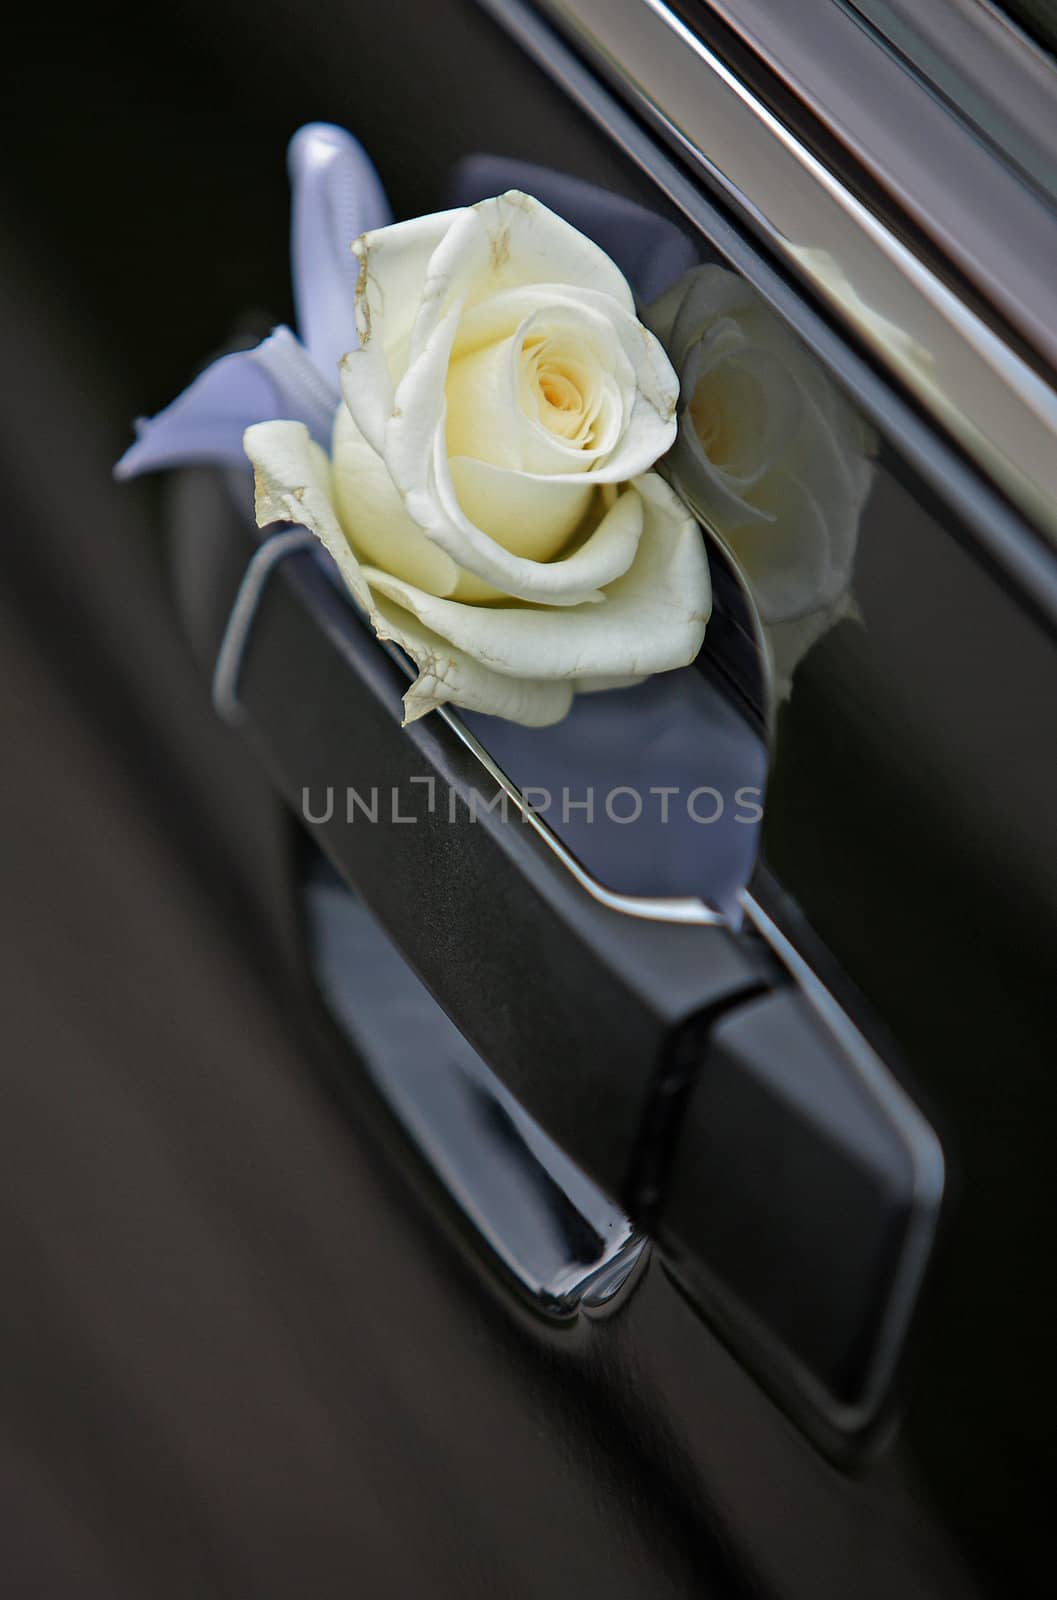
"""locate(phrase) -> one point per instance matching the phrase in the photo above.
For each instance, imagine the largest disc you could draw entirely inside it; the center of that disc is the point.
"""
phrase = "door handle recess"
(565, 1244)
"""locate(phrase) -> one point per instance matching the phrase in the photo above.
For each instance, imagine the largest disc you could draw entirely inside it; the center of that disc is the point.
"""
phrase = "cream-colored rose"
(488, 497)
(769, 453)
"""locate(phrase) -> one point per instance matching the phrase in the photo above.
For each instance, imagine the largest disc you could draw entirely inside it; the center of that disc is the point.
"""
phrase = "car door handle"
(679, 1062)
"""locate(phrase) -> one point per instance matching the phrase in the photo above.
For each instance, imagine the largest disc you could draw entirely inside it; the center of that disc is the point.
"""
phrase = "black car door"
(498, 1204)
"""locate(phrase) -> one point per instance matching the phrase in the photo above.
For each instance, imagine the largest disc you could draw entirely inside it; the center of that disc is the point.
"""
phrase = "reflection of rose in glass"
(769, 452)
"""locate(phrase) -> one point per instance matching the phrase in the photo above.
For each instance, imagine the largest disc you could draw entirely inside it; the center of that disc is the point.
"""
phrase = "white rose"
(768, 452)
(488, 499)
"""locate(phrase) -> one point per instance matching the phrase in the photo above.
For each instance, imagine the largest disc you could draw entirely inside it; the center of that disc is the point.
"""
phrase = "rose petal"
(485, 250)
(435, 505)
(530, 244)
(447, 675)
(293, 485)
(523, 243)
(373, 516)
(650, 251)
(417, 454)
(527, 517)
(292, 477)
(391, 271)
(483, 382)
(495, 247)
(652, 619)
(568, 581)
(419, 414)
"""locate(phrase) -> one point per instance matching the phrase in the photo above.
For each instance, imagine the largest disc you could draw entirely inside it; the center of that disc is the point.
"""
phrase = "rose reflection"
(769, 453)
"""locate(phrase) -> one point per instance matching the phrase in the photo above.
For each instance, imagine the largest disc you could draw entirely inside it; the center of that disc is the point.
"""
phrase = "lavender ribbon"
(337, 195)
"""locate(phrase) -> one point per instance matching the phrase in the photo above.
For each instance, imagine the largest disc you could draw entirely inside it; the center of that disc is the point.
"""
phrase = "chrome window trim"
(998, 79)
(962, 373)
(842, 59)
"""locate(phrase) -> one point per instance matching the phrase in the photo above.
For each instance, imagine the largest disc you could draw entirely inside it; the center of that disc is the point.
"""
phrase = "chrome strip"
(688, 909)
(851, 62)
(984, 394)
(1000, 82)
(649, 910)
